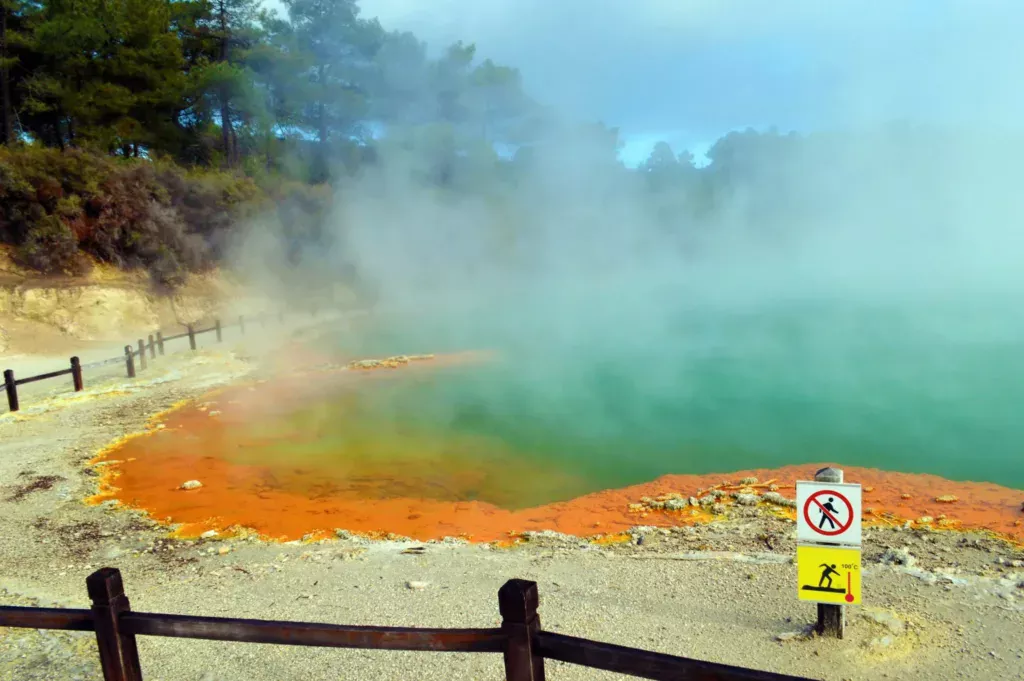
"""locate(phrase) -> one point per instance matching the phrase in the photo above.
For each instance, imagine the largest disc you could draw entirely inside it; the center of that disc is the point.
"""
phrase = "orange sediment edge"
(603, 517)
(226, 502)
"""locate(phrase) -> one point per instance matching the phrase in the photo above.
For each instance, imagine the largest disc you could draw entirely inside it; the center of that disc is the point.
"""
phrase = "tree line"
(142, 132)
(227, 83)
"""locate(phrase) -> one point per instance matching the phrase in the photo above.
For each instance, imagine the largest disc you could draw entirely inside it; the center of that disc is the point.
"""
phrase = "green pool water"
(622, 399)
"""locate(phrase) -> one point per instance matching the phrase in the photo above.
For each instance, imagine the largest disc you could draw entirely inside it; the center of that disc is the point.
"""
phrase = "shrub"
(50, 246)
(56, 207)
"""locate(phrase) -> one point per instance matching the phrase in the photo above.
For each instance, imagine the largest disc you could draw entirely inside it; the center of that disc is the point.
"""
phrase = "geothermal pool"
(544, 421)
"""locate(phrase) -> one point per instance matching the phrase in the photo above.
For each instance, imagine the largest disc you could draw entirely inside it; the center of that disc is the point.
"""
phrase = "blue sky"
(688, 71)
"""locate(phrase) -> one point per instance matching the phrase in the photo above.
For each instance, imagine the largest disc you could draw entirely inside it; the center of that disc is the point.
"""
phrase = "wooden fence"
(522, 643)
(154, 345)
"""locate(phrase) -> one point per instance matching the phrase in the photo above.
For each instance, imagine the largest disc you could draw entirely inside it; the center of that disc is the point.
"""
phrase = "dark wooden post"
(160, 341)
(76, 374)
(119, 654)
(129, 361)
(241, 324)
(191, 337)
(216, 327)
(517, 602)
(152, 347)
(831, 618)
(12, 389)
(142, 354)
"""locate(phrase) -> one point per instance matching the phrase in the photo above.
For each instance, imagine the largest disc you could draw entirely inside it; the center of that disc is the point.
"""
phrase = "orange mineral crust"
(408, 485)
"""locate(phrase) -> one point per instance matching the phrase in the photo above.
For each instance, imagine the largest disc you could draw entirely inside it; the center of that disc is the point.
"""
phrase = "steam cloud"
(850, 291)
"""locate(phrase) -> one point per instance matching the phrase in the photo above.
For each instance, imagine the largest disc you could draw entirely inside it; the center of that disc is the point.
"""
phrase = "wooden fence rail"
(134, 358)
(520, 640)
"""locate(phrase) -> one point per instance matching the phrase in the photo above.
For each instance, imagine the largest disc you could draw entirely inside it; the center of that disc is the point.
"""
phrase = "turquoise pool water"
(933, 389)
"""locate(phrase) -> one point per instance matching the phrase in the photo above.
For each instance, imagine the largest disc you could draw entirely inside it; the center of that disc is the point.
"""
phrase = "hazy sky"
(688, 71)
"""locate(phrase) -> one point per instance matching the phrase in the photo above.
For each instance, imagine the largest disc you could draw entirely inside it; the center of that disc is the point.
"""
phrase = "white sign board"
(828, 513)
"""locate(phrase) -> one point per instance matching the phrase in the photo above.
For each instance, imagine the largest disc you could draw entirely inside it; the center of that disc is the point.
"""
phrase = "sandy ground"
(724, 592)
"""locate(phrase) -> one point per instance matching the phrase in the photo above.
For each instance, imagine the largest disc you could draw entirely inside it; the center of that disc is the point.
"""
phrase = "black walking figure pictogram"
(827, 506)
(826, 575)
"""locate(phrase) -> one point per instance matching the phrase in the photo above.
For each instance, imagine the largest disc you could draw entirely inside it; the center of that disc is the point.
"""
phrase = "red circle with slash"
(841, 527)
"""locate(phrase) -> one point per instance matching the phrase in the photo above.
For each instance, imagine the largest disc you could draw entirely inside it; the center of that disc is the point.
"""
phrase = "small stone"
(777, 499)
(342, 534)
(214, 413)
(898, 557)
(947, 499)
(925, 519)
(641, 530)
(417, 586)
(746, 500)
(869, 489)
(191, 484)
(905, 496)
(748, 481)
(209, 534)
(789, 636)
(718, 509)
(224, 550)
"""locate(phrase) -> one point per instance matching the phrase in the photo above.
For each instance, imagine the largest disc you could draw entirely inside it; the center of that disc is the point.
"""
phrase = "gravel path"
(938, 605)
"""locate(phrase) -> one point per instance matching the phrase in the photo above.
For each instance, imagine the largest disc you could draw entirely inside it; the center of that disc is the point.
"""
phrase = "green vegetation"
(141, 131)
(138, 131)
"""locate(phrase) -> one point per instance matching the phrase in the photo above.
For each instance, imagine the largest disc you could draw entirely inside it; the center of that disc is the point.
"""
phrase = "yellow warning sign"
(828, 575)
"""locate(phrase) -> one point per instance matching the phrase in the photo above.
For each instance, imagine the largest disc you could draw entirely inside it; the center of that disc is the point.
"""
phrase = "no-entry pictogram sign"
(828, 513)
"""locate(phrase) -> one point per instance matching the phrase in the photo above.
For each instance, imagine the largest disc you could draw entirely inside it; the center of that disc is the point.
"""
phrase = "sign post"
(828, 533)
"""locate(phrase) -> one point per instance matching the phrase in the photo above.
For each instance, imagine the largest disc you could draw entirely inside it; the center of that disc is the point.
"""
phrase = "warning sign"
(828, 513)
(828, 574)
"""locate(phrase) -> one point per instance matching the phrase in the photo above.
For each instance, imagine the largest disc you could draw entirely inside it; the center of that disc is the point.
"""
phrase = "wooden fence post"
(142, 354)
(517, 602)
(12, 389)
(160, 342)
(152, 347)
(76, 374)
(216, 327)
(191, 337)
(241, 324)
(129, 361)
(831, 618)
(119, 654)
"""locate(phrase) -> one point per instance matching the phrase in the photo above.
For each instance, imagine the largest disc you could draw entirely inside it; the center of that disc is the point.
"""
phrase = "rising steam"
(850, 291)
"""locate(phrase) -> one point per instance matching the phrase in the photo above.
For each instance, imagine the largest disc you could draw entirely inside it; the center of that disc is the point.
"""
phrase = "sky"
(688, 71)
